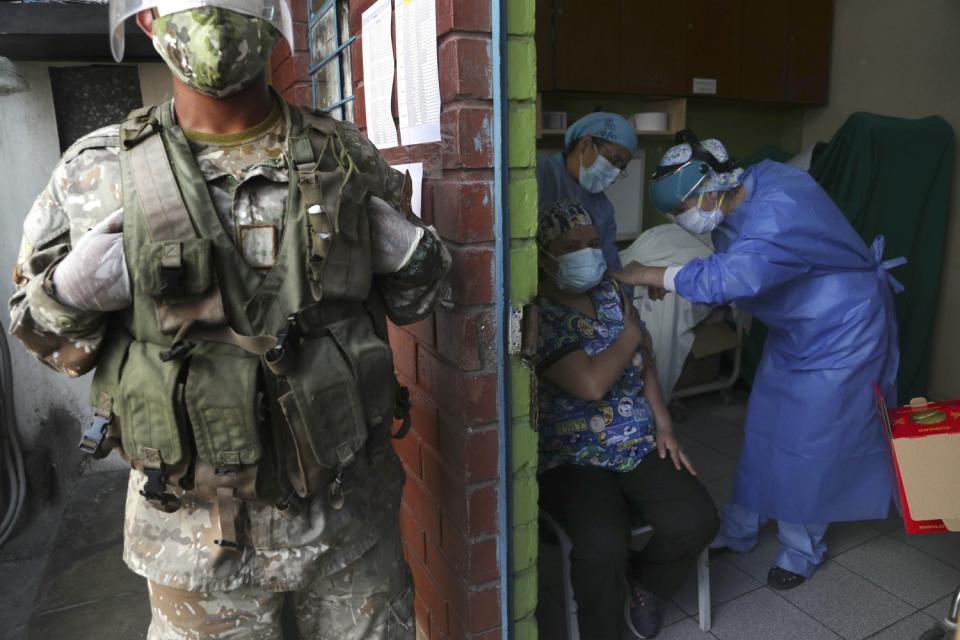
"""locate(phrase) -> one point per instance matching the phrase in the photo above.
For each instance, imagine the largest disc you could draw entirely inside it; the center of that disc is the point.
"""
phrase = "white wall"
(50, 407)
(902, 58)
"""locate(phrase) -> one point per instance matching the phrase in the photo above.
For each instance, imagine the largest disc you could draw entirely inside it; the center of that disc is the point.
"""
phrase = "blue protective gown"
(554, 183)
(814, 450)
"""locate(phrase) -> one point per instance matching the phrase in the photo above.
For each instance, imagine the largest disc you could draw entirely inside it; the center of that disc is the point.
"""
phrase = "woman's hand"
(639, 275)
(668, 443)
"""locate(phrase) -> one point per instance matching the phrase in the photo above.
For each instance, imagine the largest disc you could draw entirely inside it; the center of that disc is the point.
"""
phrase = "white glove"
(93, 276)
(393, 238)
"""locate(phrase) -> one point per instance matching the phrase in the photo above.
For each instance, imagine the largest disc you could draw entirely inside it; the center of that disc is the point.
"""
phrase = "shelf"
(675, 108)
(639, 132)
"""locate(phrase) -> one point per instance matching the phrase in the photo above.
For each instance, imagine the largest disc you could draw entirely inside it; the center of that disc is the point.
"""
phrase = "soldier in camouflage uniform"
(341, 563)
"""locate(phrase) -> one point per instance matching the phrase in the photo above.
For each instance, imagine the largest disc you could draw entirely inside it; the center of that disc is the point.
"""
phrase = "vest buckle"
(288, 338)
(401, 412)
(177, 350)
(95, 434)
(155, 492)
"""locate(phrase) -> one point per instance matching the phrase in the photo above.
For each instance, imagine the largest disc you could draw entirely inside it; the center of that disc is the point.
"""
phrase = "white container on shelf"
(553, 120)
(650, 121)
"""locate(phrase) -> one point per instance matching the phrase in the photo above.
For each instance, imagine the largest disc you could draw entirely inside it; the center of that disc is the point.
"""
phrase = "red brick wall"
(289, 72)
(449, 511)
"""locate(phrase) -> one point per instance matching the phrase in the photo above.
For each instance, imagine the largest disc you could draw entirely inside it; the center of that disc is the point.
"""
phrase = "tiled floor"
(63, 578)
(877, 582)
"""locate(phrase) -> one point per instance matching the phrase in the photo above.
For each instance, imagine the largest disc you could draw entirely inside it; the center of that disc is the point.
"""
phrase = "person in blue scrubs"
(597, 149)
(814, 452)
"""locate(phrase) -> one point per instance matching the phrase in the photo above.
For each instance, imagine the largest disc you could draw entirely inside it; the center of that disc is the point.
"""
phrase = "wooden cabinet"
(587, 49)
(785, 50)
(748, 49)
(545, 40)
(712, 33)
(652, 57)
(763, 50)
(809, 35)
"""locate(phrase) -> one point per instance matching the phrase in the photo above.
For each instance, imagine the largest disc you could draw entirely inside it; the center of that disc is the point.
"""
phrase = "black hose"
(10, 444)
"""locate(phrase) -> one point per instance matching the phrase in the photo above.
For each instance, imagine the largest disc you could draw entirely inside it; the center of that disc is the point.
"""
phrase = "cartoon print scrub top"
(614, 433)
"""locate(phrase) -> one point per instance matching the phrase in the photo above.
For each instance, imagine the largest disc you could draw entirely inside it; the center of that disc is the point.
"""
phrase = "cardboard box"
(924, 439)
(711, 338)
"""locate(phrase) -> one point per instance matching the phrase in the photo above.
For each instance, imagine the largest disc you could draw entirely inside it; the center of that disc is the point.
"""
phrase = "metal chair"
(949, 623)
(639, 537)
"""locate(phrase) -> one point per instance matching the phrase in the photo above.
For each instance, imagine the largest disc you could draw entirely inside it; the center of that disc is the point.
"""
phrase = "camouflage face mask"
(215, 51)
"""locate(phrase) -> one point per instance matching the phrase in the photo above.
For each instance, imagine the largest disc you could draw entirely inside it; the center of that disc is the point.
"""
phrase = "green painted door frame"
(521, 81)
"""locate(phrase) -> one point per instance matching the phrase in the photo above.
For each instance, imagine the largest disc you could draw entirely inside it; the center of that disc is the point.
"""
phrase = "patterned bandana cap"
(715, 181)
(215, 51)
(606, 126)
(559, 218)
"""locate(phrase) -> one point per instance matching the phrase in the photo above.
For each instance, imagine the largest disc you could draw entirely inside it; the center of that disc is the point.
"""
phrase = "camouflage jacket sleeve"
(84, 189)
(411, 292)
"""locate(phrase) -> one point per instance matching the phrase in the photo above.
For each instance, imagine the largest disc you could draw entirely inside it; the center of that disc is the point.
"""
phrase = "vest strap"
(168, 221)
(227, 512)
(163, 207)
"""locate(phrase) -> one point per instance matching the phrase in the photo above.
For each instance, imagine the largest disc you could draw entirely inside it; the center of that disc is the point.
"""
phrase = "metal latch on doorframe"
(522, 337)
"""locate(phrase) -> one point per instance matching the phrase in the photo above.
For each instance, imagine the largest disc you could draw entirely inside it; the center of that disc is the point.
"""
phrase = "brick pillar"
(449, 513)
(289, 71)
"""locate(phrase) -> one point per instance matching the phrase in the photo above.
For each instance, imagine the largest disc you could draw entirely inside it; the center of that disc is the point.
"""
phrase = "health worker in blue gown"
(597, 149)
(814, 451)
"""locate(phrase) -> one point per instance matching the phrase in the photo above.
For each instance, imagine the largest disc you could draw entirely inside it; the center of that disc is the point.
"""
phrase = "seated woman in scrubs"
(597, 149)
(813, 452)
(608, 456)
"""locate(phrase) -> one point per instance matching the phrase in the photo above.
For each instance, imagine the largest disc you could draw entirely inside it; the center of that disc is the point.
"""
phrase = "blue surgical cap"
(606, 126)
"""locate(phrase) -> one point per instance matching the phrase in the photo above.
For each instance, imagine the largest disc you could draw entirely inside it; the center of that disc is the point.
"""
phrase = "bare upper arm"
(571, 372)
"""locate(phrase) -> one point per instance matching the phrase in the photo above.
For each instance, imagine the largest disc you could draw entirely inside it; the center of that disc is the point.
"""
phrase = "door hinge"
(522, 338)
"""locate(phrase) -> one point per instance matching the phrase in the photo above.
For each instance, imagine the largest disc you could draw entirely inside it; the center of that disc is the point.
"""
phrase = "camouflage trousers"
(371, 599)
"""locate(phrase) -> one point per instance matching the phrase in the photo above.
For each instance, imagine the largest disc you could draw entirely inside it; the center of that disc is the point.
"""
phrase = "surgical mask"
(598, 176)
(696, 220)
(214, 51)
(580, 270)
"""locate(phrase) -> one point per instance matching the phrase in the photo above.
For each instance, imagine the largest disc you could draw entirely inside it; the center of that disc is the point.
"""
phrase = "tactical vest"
(226, 383)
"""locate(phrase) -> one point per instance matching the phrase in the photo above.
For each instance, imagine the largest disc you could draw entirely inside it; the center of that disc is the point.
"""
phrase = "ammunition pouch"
(335, 383)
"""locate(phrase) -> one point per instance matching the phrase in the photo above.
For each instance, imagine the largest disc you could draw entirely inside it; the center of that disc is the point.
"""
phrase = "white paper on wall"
(418, 81)
(416, 175)
(378, 74)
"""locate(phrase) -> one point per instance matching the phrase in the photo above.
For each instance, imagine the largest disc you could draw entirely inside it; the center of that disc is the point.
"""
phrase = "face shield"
(275, 12)
(673, 184)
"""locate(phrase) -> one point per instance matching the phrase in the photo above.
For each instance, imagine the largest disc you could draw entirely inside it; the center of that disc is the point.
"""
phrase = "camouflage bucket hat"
(215, 51)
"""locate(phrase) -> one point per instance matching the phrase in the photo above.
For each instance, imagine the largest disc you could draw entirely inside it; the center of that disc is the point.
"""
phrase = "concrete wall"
(900, 58)
(50, 407)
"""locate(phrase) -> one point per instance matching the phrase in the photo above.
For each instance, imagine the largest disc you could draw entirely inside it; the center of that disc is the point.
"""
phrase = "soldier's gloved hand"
(93, 276)
(393, 238)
